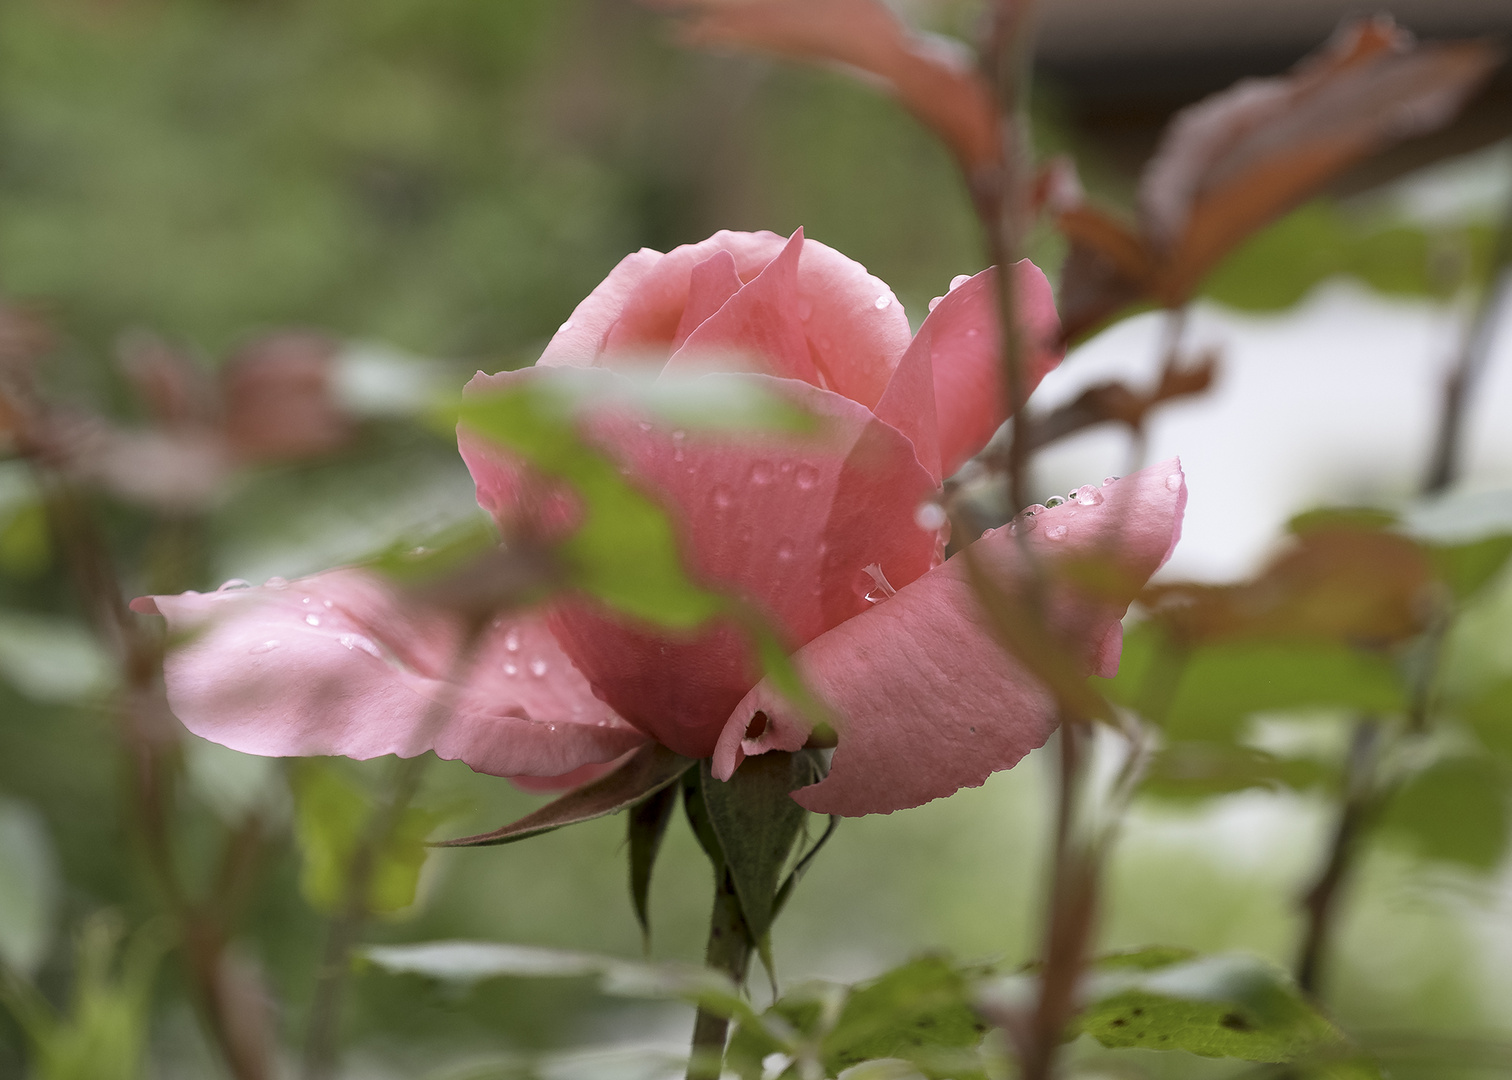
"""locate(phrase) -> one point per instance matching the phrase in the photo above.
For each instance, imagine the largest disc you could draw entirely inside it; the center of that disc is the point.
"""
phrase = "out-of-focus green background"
(448, 178)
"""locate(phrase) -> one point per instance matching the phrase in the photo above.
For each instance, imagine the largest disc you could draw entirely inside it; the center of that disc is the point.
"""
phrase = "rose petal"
(970, 399)
(712, 283)
(852, 339)
(757, 329)
(334, 664)
(788, 523)
(579, 340)
(927, 700)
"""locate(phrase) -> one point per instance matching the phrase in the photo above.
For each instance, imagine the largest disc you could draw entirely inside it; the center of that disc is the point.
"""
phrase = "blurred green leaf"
(646, 771)
(469, 962)
(1215, 1006)
(1204, 694)
(331, 819)
(28, 888)
(1185, 770)
(1280, 265)
(1489, 713)
(1457, 810)
(1466, 568)
(1341, 517)
(52, 659)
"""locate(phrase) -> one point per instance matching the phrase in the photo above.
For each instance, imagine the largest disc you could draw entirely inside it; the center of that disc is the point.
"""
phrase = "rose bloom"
(836, 537)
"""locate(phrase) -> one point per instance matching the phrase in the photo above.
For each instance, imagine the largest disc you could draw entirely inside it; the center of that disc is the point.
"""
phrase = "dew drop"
(1034, 508)
(959, 280)
(1056, 532)
(972, 331)
(1087, 495)
(805, 308)
(328, 605)
(1173, 482)
(721, 497)
(806, 477)
(512, 640)
(538, 667)
(510, 668)
(644, 425)
(566, 326)
(306, 599)
(1111, 480)
(278, 583)
(267, 646)
(357, 641)
(884, 301)
(313, 620)
(882, 588)
(236, 584)
(929, 516)
(785, 550)
(1053, 501)
(935, 302)
(761, 472)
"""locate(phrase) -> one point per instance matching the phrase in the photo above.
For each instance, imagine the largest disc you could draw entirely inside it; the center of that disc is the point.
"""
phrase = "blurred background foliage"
(448, 178)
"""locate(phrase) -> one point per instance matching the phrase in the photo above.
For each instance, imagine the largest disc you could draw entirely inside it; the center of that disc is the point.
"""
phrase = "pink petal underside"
(787, 522)
(713, 282)
(971, 400)
(581, 338)
(926, 700)
(852, 339)
(336, 664)
(756, 330)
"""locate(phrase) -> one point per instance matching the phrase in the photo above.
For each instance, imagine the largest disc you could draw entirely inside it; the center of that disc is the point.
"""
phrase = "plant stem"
(1321, 901)
(1448, 445)
(729, 951)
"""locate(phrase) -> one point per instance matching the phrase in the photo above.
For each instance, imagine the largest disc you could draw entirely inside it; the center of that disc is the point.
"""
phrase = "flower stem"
(729, 951)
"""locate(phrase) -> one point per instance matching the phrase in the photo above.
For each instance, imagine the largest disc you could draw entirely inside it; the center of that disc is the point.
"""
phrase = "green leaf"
(642, 774)
(648, 822)
(1215, 1006)
(1206, 693)
(757, 822)
(1489, 713)
(468, 962)
(28, 888)
(1185, 770)
(1466, 568)
(50, 659)
(331, 819)
(1456, 810)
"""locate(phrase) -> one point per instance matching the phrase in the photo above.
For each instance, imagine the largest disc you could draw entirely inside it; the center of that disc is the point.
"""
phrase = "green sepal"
(648, 822)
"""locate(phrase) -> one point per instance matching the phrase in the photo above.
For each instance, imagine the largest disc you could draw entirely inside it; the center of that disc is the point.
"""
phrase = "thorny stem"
(1321, 902)
(1448, 448)
(729, 951)
(345, 927)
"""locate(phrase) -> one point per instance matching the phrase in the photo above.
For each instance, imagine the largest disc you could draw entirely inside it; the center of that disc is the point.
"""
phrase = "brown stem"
(1448, 448)
(729, 951)
(1070, 920)
(1321, 902)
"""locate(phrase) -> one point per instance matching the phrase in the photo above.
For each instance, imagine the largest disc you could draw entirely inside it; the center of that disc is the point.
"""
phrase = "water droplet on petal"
(1087, 495)
(1173, 482)
(278, 583)
(785, 550)
(510, 668)
(328, 605)
(883, 588)
(929, 516)
(761, 472)
(1111, 480)
(1056, 532)
(267, 646)
(806, 477)
(884, 301)
(512, 640)
(234, 585)
(538, 667)
(935, 302)
(972, 331)
(805, 308)
(306, 599)
(565, 327)
(644, 425)
(357, 641)
(959, 280)
(722, 497)
(313, 620)
(1054, 501)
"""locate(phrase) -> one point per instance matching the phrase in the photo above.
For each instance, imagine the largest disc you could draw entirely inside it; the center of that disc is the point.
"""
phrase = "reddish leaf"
(934, 80)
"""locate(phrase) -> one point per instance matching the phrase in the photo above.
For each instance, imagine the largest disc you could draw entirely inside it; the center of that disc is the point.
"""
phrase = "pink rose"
(836, 538)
